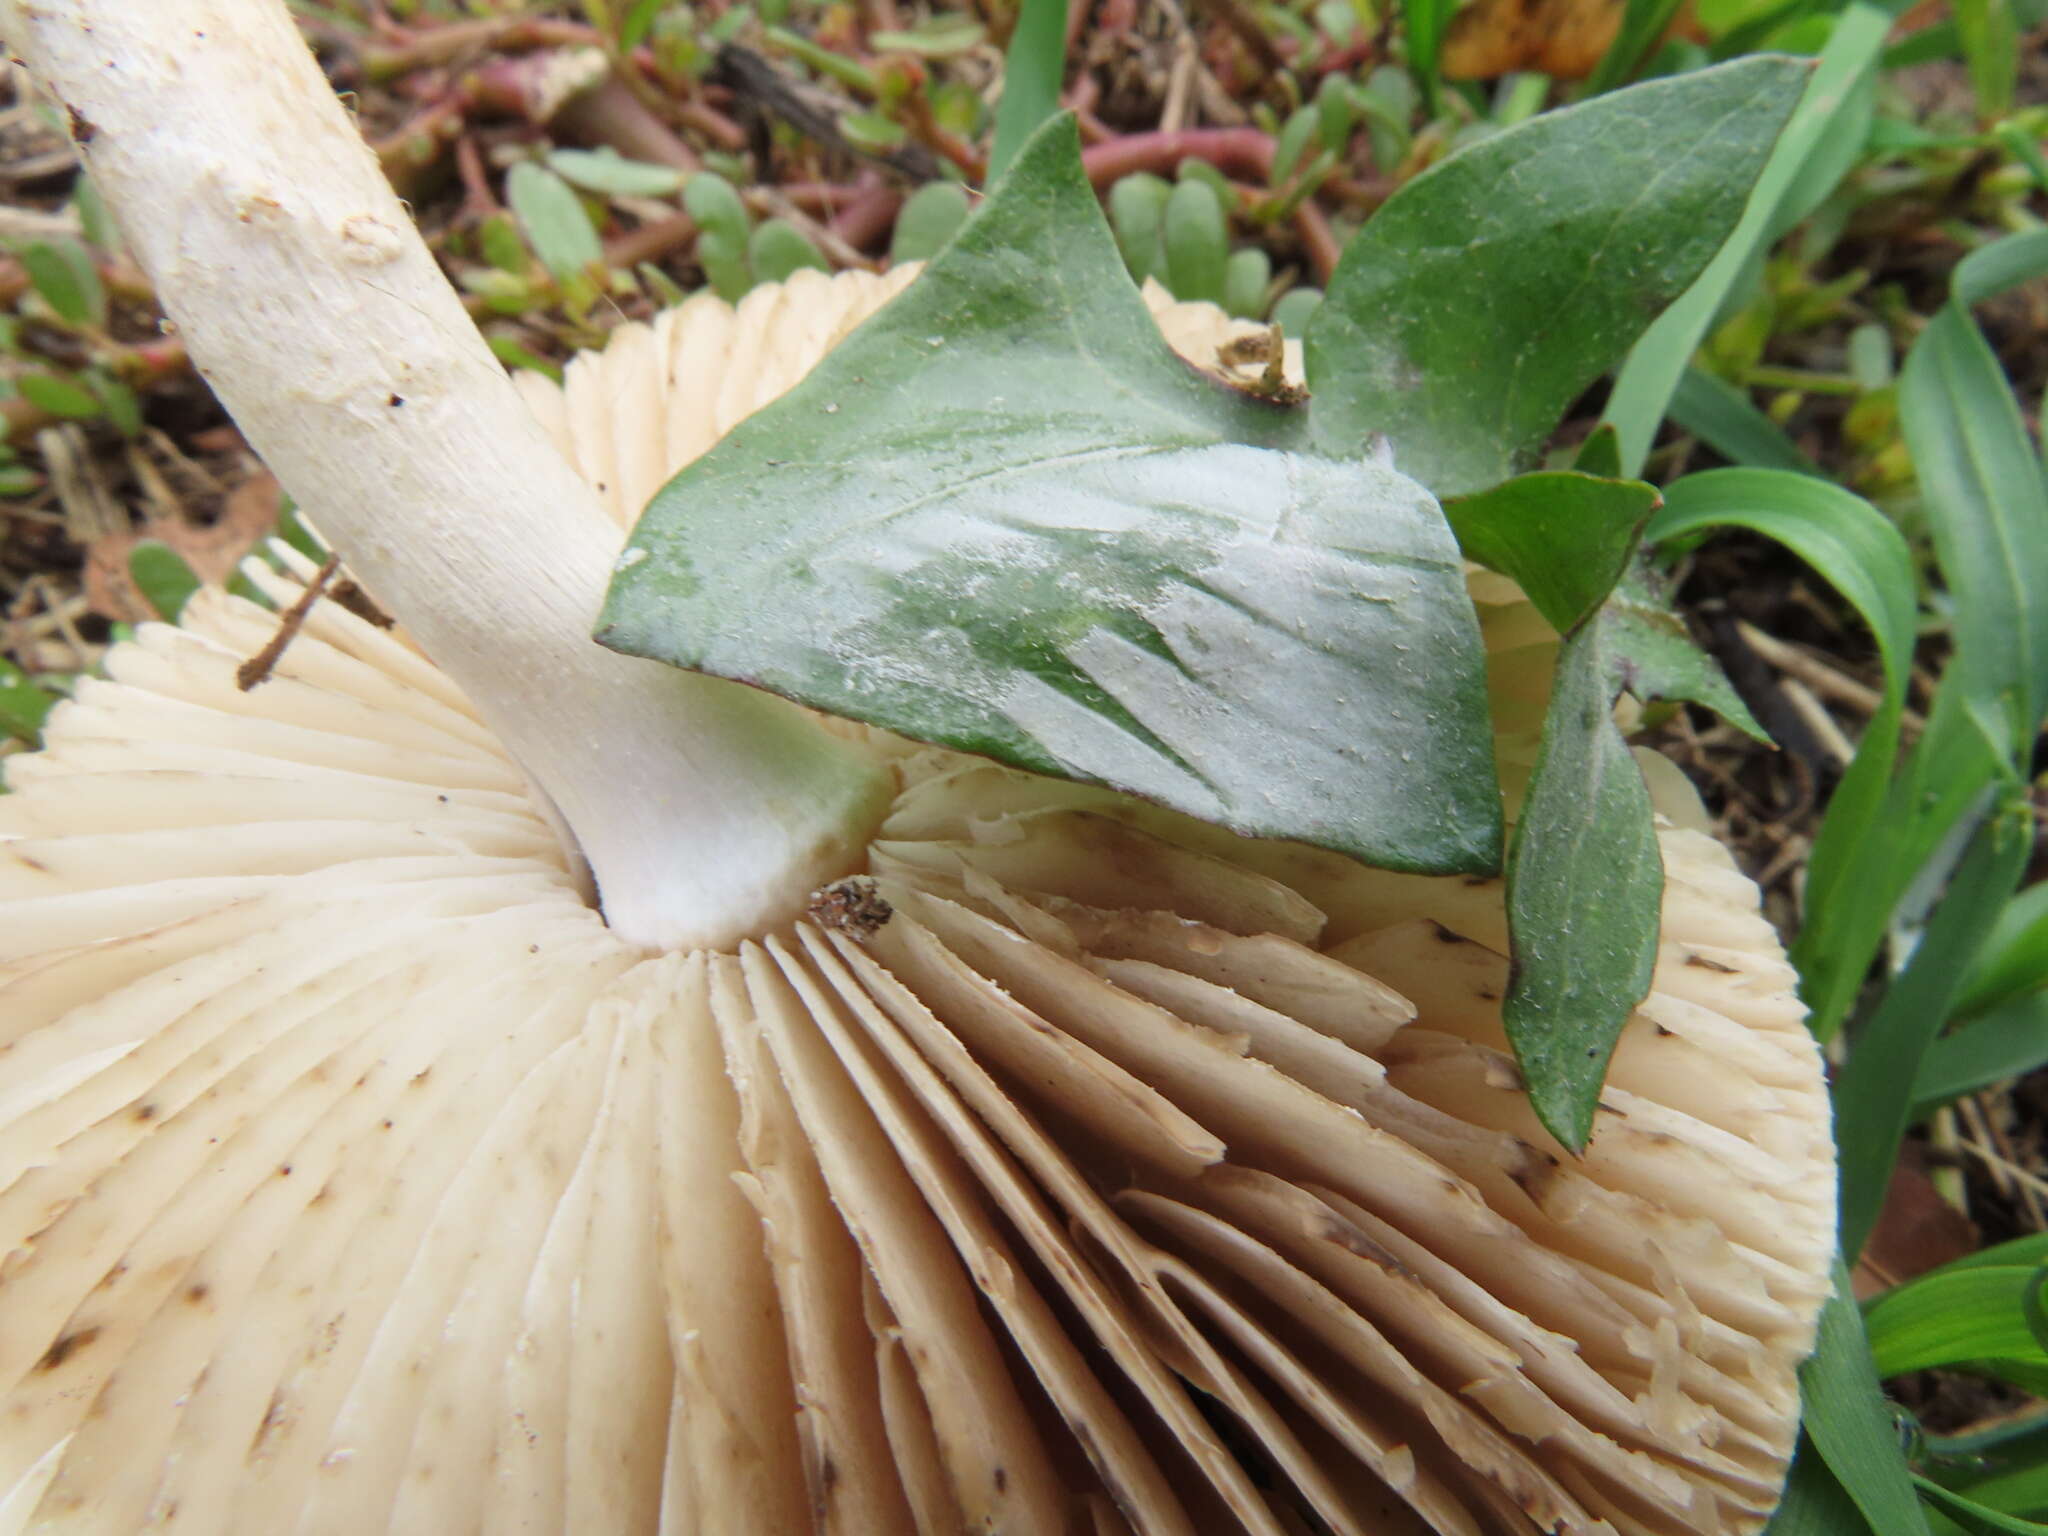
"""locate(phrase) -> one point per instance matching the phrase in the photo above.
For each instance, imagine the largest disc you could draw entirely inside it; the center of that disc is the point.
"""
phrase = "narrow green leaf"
(2015, 956)
(1859, 553)
(1956, 1317)
(1874, 1090)
(2010, 1040)
(58, 395)
(1034, 69)
(634, 26)
(1643, 389)
(1643, 22)
(931, 217)
(611, 174)
(778, 248)
(162, 576)
(1990, 36)
(936, 37)
(1337, 111)
(1004, 516)
(1462, 323)
(1565, 537)
(553, 221)
(1585, 881)
(1197, 242)
(64, 275)
(1815, 1503)
(1975, 1516)
(1427, 21)
(1294, 136)
(1721, 416)
(1850, 1423)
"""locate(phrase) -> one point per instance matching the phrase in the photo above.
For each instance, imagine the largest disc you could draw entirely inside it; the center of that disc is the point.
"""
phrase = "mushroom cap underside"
(1081, 1168)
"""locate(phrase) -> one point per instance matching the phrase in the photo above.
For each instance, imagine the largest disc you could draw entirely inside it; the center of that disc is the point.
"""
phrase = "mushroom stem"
(707, 811)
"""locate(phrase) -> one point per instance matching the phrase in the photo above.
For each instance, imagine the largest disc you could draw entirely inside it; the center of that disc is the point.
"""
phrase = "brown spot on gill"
(65, 1347)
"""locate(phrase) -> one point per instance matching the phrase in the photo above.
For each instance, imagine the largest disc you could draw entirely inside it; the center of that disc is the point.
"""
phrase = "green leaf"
(1599, 454)
(123, 409)
(1427, 22)
(1815, 1503)
(1565, 537)
(58, 395)
(1721, 416)
(778, 248)
(1295, 309)
(1137, 208)
(1002, 515)
(553, 221)
(1987, 508)
(1585, 881)
(2015, 957)
(498, 239)
(1657, 658)
(872, 131)
(1975, 1516)
(1858, 552)
(1300, 127)
(1644, 387)
(1849, 1422)
(1643, 22)
(1955, 1317)
(1197, 242)
(23, 706)
(633, 28)
(936, 37)
(162, 576)
(931, 217)
(65, 276)
(1245, 280)
(723, 257)
(611, 174)
(1462, 323)
(1990, 36)
(1033, 71)
(710, 199)
(2010, 1040)
(1874, 1089)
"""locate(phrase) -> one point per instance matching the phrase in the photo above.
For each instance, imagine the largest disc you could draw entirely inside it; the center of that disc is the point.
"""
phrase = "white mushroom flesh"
(1120, 1175)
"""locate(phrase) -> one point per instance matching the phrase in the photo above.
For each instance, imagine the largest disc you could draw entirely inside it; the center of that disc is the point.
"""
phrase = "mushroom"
(902, 1143)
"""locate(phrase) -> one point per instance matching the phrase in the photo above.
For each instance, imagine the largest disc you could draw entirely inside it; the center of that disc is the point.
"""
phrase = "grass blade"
(1033, 71)
(1857, 550)
(1721, 416)
(1643, 390)
(1849, 1424)
(1874, 1090)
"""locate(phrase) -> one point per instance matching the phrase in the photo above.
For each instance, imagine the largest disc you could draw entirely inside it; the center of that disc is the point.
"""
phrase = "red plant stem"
(479, 201)
(650, 242)
(1318, 241)
(713, 124)
(609, 113)
(819, 196)
(868, 216)
(1235, 151)
(927, 130)
(429, 46)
